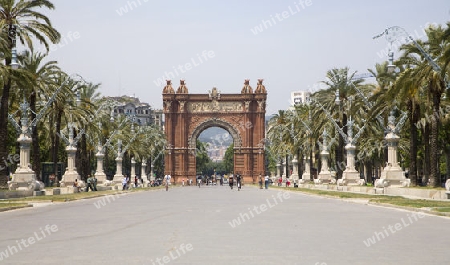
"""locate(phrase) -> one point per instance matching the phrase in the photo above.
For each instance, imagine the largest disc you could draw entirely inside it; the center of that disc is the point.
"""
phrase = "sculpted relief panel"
(214, 106)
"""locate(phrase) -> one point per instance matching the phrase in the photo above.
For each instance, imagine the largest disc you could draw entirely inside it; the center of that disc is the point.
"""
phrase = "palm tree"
(433, 79)
(21, 19)
(279, 135)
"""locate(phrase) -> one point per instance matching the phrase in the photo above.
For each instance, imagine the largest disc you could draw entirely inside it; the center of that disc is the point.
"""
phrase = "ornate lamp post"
(71, 172)
(392, 174)
(325, 173)
(119, 159)
(24, 178)
(393, 33)
(350, 175)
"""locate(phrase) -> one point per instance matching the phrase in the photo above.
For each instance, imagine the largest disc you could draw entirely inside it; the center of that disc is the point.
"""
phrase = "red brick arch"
(187, 115)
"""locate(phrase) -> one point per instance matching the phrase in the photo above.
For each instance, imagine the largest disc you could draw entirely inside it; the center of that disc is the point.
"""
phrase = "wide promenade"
(216, 225)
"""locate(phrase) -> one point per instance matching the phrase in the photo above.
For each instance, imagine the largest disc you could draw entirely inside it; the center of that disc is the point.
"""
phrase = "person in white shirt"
(266, 181)
(167, 179)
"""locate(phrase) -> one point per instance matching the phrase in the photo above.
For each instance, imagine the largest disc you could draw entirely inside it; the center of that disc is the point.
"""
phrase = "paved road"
(194, 225)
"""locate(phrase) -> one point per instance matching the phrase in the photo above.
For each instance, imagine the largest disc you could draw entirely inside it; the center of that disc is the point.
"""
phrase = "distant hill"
(216, 136)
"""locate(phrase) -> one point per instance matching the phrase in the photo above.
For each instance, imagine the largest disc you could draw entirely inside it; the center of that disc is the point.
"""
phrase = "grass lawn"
(439, 206)
(76, 196)
(6, 206)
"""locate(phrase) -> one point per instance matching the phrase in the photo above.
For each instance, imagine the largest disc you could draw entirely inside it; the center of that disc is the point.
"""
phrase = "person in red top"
(280, 180)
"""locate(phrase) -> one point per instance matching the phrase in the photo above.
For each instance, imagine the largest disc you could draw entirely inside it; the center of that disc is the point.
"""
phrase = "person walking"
(124, 183)
(94, 183)
(182, 183)
(230, 181)
(199, 180)
(89, 183)
(238, 181)
(266, 181)
(167, 180)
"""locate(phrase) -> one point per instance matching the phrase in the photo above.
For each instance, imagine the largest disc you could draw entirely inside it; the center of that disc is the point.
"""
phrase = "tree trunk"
(435, 179)
(36, 165)
(4, 178)
(85, 167)
(56, 143)
(426, 162)
(414, 112)
(447, 161)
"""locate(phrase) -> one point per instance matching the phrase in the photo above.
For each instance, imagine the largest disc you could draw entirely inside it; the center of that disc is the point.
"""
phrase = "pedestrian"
(94, 183)
(260, 182)
(280, 180)
(266, 181)
(167, 180)
(230, 181)
(135, 181)
(89, 183)
(288, 182)
(182, 183)
(124, 183)
(238, 181)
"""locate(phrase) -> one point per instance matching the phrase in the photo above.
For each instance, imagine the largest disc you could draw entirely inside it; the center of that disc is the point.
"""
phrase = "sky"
(132, 46)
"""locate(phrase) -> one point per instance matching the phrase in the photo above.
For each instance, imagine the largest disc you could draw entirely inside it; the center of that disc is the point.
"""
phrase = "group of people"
(189, 182)
(91, 184)
(266, 182)
(231, 180)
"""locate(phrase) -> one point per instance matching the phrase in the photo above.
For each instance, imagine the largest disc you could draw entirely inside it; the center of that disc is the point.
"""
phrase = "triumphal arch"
(241, 114)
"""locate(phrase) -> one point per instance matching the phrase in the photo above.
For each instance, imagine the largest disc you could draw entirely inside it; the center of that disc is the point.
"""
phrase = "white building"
(143, 112)
(300, 97)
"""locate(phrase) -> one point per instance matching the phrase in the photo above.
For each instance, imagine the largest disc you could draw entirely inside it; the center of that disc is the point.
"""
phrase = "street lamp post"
(25, 178)
(119, 159)
(71, 173)
(325, 173)
(350, 176)
(392, 174)
(391, 34)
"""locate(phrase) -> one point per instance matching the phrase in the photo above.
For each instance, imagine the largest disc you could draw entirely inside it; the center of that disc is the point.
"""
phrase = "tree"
(202, 158)
(228, 159)
(22, 20)
(425, 74)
